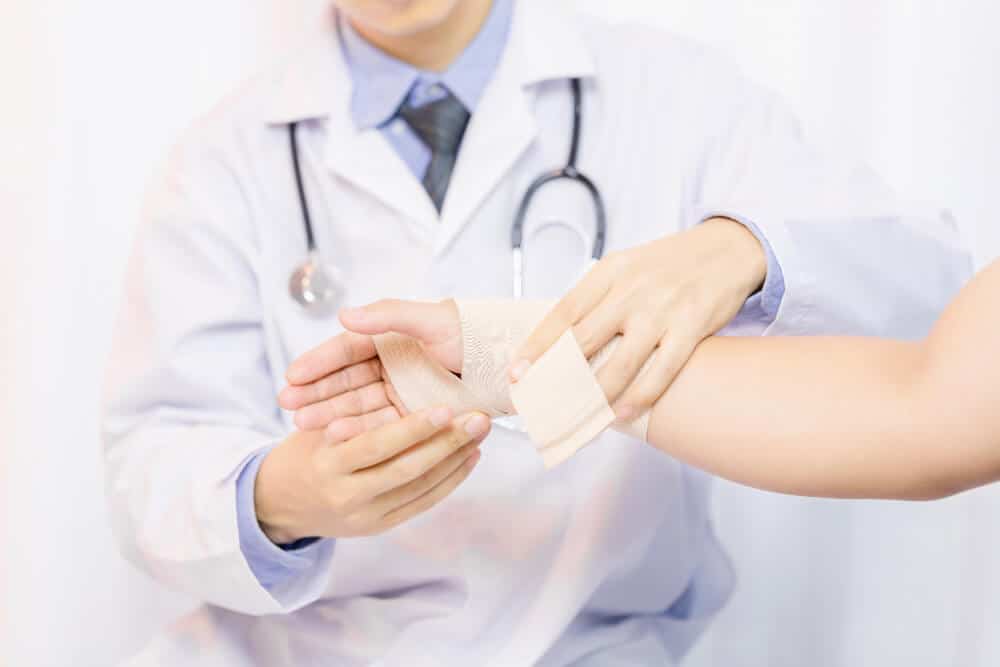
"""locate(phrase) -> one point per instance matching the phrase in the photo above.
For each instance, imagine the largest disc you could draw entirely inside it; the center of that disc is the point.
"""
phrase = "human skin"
(833, 417)
(428, 34)
(324, 483)
(713, 268)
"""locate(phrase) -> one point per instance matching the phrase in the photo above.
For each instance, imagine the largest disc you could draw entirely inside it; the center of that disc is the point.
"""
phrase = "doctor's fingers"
(339, 352)
(355, 376)
(370, 398)
(572, 308)
(400, 497)
(343, 429)
(600, 326)
(416, 461)
(634, 348)
(385, 442)
(432, 497)
(654, 380)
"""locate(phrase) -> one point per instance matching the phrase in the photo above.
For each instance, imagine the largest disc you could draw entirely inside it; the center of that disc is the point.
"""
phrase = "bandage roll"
(559, 399)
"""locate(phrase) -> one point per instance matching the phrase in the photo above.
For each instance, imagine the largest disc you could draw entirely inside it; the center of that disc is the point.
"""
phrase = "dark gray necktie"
(440, 125)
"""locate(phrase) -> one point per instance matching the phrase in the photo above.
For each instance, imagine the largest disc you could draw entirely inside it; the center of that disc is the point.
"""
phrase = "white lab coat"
(584, 564)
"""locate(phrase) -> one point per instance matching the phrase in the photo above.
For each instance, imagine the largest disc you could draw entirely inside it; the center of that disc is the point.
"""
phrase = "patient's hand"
(342, 386)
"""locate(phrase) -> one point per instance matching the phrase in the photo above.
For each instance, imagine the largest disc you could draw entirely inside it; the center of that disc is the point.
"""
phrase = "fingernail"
(519, 369)
(477, 425)
(439, 417)
(625, 412)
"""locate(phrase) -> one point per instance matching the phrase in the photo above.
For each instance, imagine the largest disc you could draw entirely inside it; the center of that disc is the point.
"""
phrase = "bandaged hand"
(342, 385)
(416, 365)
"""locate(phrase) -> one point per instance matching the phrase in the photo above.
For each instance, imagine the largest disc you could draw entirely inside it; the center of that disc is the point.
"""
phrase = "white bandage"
(559, 399)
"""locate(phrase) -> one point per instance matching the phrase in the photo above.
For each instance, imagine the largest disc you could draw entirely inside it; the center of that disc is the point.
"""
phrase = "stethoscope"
(314, 284)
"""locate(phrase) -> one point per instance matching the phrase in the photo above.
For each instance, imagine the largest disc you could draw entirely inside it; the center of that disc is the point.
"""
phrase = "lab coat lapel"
(500, 131)
(542, 46)
(317, 86)
(368, 162)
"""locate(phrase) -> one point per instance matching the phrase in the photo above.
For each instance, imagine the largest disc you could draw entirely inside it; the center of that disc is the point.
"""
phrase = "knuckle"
(352, 376)
(457, 437)
(640, 322)
(323, 389)
(646, 394)
(672, 364)
(630, 365)
(353, 403)
(366, 398)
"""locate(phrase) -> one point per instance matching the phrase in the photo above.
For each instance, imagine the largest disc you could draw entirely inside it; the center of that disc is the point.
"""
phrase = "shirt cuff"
(273, 565)
(763, 305)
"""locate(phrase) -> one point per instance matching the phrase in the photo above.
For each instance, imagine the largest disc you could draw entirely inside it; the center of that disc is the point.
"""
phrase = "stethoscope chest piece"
(315, 286)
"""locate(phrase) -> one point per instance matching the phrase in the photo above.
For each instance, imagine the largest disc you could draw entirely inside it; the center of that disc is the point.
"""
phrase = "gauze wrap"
(559, 399)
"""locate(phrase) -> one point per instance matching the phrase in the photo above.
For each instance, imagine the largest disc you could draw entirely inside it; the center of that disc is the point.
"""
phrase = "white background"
(93, 92)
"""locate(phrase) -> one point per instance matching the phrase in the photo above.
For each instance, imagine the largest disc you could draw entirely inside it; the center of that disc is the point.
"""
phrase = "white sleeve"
(190, 391)
(853, 257)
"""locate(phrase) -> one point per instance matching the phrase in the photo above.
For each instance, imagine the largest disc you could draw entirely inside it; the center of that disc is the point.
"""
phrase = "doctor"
(417, 128)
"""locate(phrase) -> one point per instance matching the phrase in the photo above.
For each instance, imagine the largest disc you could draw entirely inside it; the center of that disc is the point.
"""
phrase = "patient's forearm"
(843, 417)
(810, 416)
(846, 417)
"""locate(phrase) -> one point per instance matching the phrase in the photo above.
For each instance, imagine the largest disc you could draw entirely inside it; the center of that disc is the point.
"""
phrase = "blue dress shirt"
(381, 85)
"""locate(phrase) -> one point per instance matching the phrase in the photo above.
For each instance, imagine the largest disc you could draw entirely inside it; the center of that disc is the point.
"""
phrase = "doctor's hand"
(342, 384)
(340, 483)
(664, 298)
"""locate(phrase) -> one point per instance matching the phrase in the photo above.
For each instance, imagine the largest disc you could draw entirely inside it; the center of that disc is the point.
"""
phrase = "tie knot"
(440, 124)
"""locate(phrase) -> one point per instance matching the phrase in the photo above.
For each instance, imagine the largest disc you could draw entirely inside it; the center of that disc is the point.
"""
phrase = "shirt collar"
(314, 81)
(382, 83)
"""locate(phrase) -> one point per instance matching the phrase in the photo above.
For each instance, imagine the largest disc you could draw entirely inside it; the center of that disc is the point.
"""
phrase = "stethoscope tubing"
(300, 187)
(569, 172)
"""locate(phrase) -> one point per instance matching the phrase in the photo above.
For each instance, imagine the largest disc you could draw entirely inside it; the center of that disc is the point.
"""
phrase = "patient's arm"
(847, 417)
(840, 417)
